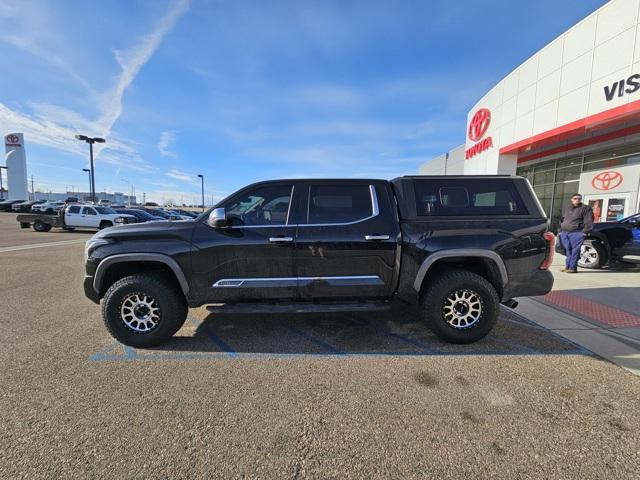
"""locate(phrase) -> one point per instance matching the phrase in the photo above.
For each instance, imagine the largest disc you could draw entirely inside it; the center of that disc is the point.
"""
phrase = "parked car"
(158, 212)
(141, 215)
(75, 216)
(186, 213)
(612, 242)
(181, 216)
(72, 200)
(6, 205)
(48, 207)
(25, 206)
(454, 247)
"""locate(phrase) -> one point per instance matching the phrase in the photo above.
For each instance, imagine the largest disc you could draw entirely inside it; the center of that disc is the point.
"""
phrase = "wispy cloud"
(182, 176)
(55, 126)
(132, 60)
(166, 140)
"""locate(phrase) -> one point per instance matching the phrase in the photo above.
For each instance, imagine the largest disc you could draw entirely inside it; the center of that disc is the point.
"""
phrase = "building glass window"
(562, 194)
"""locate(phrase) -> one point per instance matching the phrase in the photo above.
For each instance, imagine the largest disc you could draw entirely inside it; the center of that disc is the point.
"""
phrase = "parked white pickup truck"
(76, 216)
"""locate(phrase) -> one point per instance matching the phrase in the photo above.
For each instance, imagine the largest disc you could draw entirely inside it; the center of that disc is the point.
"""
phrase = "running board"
(300, 307)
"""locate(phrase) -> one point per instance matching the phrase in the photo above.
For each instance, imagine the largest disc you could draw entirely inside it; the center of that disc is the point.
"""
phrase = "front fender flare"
(104, 265)
(460, 253)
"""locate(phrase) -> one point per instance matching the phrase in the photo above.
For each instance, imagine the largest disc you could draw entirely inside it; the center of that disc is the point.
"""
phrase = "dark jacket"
(575, 219)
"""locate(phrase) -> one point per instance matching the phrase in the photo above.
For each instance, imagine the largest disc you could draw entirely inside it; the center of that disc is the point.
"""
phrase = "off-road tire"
(105, 224)
(444, 286)
(597, 255)
(40, 226)
(172, 309)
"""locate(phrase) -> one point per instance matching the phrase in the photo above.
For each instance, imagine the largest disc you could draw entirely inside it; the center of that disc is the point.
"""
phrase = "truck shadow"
(395, 333)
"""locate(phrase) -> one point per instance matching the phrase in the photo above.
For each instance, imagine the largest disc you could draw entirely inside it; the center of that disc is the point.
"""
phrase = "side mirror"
(217, 218)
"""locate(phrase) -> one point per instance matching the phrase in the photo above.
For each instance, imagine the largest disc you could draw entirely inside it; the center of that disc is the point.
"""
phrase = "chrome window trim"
(360, 280)
(293, 190)
(375, 211)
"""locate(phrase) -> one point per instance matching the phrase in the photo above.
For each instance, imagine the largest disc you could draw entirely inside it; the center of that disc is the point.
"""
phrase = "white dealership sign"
(16, 161)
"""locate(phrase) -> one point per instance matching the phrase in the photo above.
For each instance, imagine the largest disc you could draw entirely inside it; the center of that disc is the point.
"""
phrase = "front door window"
(263, 206)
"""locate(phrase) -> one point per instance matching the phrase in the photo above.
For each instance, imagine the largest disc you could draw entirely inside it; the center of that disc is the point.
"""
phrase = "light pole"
(90, 181)
(91, 141)
(202, 182)
(129, 192)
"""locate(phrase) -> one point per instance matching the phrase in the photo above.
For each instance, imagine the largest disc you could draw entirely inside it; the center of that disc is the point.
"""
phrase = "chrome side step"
(300, 307)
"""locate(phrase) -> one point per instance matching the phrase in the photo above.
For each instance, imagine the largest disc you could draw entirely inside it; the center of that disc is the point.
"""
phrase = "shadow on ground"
(395, 333)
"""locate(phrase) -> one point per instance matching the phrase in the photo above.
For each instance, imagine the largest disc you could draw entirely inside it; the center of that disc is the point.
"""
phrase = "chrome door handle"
(280, 239)
(370, 238)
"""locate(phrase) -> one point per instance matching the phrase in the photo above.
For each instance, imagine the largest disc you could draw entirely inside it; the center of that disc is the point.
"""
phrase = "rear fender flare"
(460, 253)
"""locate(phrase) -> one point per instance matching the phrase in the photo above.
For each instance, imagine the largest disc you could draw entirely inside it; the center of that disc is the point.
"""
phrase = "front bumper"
(89, 291)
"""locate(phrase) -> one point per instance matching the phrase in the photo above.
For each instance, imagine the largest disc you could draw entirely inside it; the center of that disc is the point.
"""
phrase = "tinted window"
(88, 211)
(468, 197)
(74, 209)
(339, 203)
(268, 205)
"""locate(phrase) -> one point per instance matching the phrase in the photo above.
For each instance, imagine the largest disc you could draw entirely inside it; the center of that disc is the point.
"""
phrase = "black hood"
(601, 225)
(159, 229)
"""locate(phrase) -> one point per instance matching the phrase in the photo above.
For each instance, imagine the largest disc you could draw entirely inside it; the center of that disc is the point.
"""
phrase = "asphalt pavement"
(291, 396)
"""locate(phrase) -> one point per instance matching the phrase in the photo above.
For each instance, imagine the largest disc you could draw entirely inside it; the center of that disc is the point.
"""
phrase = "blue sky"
(242, 91)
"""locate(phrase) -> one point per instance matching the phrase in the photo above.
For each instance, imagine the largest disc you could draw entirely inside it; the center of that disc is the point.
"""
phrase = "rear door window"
(331, 204)
(73, 210)
(468, 197)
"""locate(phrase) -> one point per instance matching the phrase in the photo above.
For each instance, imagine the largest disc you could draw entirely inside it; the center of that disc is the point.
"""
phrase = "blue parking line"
(311, 338)
(213, 337)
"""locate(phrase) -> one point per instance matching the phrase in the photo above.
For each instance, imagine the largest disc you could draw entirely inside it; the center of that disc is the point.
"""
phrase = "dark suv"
(455, 247)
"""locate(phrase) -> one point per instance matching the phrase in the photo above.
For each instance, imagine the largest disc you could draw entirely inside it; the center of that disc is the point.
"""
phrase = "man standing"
(575, 222)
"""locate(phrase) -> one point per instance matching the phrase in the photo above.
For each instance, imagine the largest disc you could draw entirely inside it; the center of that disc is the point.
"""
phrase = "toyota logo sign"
(606, 180)
(10, 139)
(479, 124)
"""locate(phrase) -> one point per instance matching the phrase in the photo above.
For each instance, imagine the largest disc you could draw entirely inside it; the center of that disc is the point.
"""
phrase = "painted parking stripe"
(221, 344)
(41, 245)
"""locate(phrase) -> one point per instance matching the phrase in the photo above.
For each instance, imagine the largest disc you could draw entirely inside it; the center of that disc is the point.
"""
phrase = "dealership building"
(568, 119)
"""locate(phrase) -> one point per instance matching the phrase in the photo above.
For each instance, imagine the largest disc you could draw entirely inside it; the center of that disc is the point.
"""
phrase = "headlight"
(119, 219)
(92, 244)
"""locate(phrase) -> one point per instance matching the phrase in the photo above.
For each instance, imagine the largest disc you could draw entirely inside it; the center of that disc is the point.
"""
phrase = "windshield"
(139, 213)
(159, 213)
(105, 210)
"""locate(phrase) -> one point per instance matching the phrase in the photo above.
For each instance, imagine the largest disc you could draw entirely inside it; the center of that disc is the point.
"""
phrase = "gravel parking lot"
(291, 396)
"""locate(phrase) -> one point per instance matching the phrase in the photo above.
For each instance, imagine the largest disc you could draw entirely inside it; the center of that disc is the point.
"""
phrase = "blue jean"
(572, 241)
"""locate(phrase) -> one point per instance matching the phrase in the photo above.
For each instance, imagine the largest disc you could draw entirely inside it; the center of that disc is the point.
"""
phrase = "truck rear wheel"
(40, 226)
(143, 310)
(460, 306)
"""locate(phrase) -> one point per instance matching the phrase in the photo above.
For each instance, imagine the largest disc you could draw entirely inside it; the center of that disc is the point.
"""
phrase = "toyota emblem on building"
(479, 124)
(12, 139)
(606, 180)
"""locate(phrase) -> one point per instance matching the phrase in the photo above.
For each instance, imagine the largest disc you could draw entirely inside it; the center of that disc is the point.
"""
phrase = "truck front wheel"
(460, 306)
(105, 224)
(143, 310)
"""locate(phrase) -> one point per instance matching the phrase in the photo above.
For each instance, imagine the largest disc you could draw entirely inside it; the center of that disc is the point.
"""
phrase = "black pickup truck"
(455, 247)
